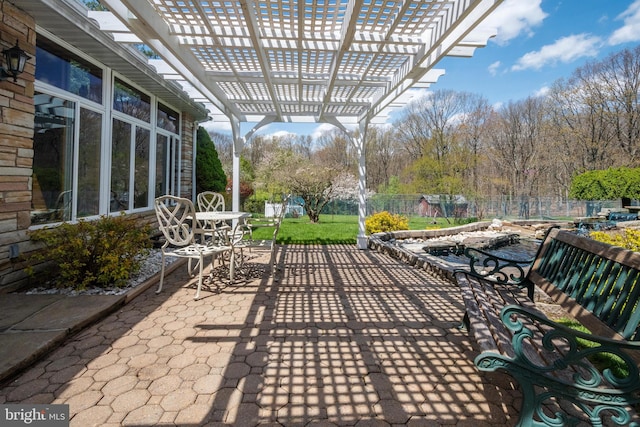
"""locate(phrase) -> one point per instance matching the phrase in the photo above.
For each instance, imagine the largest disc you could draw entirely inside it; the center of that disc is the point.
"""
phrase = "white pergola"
(342, 62)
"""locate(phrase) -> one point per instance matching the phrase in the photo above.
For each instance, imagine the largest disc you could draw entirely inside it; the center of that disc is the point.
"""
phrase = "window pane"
(131, 101)
(141, 179)
(120, 154)
(168, 119)
(162, 156)
(52, 159)
(89, 163)
(69, 72)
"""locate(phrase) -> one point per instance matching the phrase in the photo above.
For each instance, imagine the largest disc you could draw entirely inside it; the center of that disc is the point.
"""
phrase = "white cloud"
(515, 17)
(566, 50)
(542, 91)
(630, 31)
(217, 126)
(280, 134)
(324, 127)
(493, 68)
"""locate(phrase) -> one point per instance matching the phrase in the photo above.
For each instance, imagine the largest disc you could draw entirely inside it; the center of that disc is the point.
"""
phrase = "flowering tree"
(345, 187)
(311, 177)
(314, 185)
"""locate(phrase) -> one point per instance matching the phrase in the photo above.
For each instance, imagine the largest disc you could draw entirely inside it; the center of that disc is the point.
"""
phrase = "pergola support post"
(362, 185)
(238, 143)
(358, 140)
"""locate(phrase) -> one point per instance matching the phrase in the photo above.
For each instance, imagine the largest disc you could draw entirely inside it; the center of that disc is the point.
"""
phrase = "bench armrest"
(569, 351)
(484, 265)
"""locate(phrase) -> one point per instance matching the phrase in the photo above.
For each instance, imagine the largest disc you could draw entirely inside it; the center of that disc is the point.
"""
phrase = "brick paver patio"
(340, 337)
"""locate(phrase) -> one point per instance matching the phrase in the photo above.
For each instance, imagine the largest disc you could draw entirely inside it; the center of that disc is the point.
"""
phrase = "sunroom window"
(130, 159)
(64, 70)
(54, 152)
(92, 157)
(131, 101)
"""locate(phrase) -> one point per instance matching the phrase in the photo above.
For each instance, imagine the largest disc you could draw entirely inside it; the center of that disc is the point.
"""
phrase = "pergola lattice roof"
(334, 61)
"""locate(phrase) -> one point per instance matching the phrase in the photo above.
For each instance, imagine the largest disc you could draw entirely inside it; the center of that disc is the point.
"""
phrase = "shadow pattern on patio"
(339, 336)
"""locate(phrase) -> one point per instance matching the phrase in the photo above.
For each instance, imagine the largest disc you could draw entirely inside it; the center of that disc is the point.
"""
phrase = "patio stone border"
(385, 242)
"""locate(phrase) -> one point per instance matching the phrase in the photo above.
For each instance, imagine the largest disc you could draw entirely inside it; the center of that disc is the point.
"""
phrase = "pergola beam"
(344, 62)
(150, 27)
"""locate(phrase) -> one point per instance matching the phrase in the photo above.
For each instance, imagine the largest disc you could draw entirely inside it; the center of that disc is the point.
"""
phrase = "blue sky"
(537, 42)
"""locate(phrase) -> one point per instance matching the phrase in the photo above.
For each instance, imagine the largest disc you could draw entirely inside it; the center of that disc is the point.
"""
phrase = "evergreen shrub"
(98, 253)
(210, 175)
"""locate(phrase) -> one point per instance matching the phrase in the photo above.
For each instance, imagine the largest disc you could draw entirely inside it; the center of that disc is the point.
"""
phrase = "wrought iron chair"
(177, 221)
(243, 234)
(210, 201)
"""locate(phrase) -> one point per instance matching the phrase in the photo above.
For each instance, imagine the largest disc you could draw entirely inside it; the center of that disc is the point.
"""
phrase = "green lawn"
(332, 229)
(601, 360)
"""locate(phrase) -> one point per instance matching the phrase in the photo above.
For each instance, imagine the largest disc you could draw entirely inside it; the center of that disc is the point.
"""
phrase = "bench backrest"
(602, 279)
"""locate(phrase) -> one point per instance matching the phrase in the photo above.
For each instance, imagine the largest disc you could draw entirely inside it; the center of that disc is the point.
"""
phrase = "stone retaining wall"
(386, 243)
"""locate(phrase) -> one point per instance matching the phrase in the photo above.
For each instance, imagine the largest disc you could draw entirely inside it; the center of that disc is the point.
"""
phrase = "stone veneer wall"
(186, 168)
(16, 143)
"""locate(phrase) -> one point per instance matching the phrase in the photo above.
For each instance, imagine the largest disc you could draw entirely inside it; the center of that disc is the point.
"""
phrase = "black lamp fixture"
(16, 59)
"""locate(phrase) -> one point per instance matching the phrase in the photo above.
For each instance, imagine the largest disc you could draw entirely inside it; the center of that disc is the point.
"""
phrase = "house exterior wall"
(188, 145)
(17, 124)
(16, 145)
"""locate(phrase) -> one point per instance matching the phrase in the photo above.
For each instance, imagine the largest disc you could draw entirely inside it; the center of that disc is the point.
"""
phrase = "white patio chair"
(243, 234)
(176, 219)
(210, 201)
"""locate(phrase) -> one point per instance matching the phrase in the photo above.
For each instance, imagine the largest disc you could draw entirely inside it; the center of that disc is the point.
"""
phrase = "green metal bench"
(561, 383)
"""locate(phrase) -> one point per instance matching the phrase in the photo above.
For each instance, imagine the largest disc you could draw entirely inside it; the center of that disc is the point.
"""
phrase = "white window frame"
(108, 114)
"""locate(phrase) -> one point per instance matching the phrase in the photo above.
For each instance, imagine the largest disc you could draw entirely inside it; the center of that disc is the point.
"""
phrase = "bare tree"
(473, 133)
(224, 147)
(384, 157)
(443, 130)
(334, 148)
(620, 76)
(517, 146)
(578, 109)
(429, 123)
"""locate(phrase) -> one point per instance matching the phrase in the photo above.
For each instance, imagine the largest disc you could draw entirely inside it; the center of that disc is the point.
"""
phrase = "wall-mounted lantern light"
(15, 59)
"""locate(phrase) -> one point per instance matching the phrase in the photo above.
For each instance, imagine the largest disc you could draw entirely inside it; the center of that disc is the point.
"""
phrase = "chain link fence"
(460, 207)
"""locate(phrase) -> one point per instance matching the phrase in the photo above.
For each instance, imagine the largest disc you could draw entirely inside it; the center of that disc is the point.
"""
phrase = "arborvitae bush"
(98, 253)
(210, 175)
(384, 221)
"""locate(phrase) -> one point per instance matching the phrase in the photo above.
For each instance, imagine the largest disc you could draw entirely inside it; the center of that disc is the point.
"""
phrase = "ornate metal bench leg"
(464, 324)
(528, 406)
